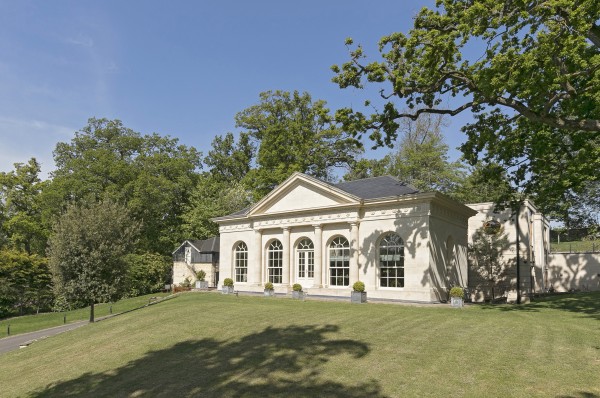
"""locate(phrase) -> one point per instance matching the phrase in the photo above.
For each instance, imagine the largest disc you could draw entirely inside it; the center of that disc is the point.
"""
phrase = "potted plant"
(456, 296)
(200, 282)
(297, 292)
(358, 294)
(227, 286)
(269, 290)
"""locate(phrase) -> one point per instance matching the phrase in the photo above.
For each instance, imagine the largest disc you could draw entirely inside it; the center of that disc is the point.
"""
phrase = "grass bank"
(576, 246)
(210, 345)
(31, 323)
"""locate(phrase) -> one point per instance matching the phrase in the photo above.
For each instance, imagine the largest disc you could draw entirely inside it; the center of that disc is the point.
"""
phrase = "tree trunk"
(92, 312)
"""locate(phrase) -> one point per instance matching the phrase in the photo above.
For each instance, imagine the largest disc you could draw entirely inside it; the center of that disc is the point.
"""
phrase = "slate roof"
(207, 245)
(376, 187)
(367, 188)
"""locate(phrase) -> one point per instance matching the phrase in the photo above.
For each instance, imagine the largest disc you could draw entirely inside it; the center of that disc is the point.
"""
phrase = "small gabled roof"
(202, 246)
(377, 187)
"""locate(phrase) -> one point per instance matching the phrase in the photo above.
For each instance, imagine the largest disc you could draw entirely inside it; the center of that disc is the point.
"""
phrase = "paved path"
(14, 342)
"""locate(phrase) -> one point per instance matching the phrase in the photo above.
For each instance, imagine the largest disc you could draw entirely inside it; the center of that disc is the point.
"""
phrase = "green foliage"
(228, 282)
(358, 286)
(212, 197)
(146, 273)
(186, 283)
(87, 252)
(268, 286)
(297, 287)
(21, 224)
(228, 160)
(25, 283)
(483, 184)
(457, 291)
(367, 168)
(527, 71)
(422, 157)
(293, 134)
(152, 175)
(200, 275)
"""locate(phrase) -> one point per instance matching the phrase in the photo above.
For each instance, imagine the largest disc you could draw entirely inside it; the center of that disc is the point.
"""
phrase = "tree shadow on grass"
(586, 304)
(276, 362)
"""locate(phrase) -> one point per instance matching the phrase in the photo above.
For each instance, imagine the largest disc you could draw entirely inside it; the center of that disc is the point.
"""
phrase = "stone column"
(317, 283)
(285, 280)
(257, 264)
(354, 251)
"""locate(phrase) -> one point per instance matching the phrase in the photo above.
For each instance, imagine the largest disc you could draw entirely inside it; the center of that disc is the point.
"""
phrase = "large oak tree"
(528, 71)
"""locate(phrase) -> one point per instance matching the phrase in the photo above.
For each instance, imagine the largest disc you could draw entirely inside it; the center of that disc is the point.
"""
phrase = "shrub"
(268, 286)
(228, 282)
(457, 291)
(200, 275)
(358, 286)
(186, 283)
(297, 287)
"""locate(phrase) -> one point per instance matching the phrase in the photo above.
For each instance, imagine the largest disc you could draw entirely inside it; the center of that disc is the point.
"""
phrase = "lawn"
(211, 345)
(30, 323)
(576, 246)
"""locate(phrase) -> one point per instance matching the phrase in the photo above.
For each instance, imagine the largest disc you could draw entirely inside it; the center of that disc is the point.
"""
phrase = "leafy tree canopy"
(20, 212)
(529, 72)
(422, 157)
(152, 175)
(25, 283)
(87, 252)
(293, 133)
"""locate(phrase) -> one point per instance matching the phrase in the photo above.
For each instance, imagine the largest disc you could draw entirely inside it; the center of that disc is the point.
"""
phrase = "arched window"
(275, 262)
(241, 262)
(306, 259)
(339, 262)
(391, 261)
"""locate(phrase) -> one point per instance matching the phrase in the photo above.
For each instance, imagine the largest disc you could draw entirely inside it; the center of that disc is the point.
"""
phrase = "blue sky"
(178, 68)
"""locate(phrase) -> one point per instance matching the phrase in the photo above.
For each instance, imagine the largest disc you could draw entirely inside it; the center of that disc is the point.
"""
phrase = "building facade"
(403, 244)
(195, 255)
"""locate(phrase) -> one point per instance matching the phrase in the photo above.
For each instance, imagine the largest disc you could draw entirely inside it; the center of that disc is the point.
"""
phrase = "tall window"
(391, 261)
(241, 262)
(275, 262)
(306, 259)
(339, 262)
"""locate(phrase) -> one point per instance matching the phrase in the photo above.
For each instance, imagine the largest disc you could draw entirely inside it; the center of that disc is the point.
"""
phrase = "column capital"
(318, 226)
(286, 229)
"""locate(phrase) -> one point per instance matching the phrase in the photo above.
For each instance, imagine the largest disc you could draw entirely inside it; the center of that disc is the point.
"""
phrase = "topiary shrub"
(358, 286)
(268, 286)
(297, 287)
(200, 275)
(457, 291)
(228, 282)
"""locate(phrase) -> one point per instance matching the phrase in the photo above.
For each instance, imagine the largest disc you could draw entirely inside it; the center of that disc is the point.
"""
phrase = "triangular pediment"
(301, 192)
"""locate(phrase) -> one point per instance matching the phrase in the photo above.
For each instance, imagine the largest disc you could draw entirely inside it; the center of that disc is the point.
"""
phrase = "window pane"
(391, 261)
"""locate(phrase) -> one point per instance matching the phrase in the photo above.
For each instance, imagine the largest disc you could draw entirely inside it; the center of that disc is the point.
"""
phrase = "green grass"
(31, 323)
(577, 246)
(212, 345)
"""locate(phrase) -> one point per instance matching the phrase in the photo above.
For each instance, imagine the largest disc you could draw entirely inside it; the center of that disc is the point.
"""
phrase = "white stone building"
(401, 243)
(534, 251)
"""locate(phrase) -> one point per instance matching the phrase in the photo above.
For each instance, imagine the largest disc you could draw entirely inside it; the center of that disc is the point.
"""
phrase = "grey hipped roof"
(376, 187)
(204, 246)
